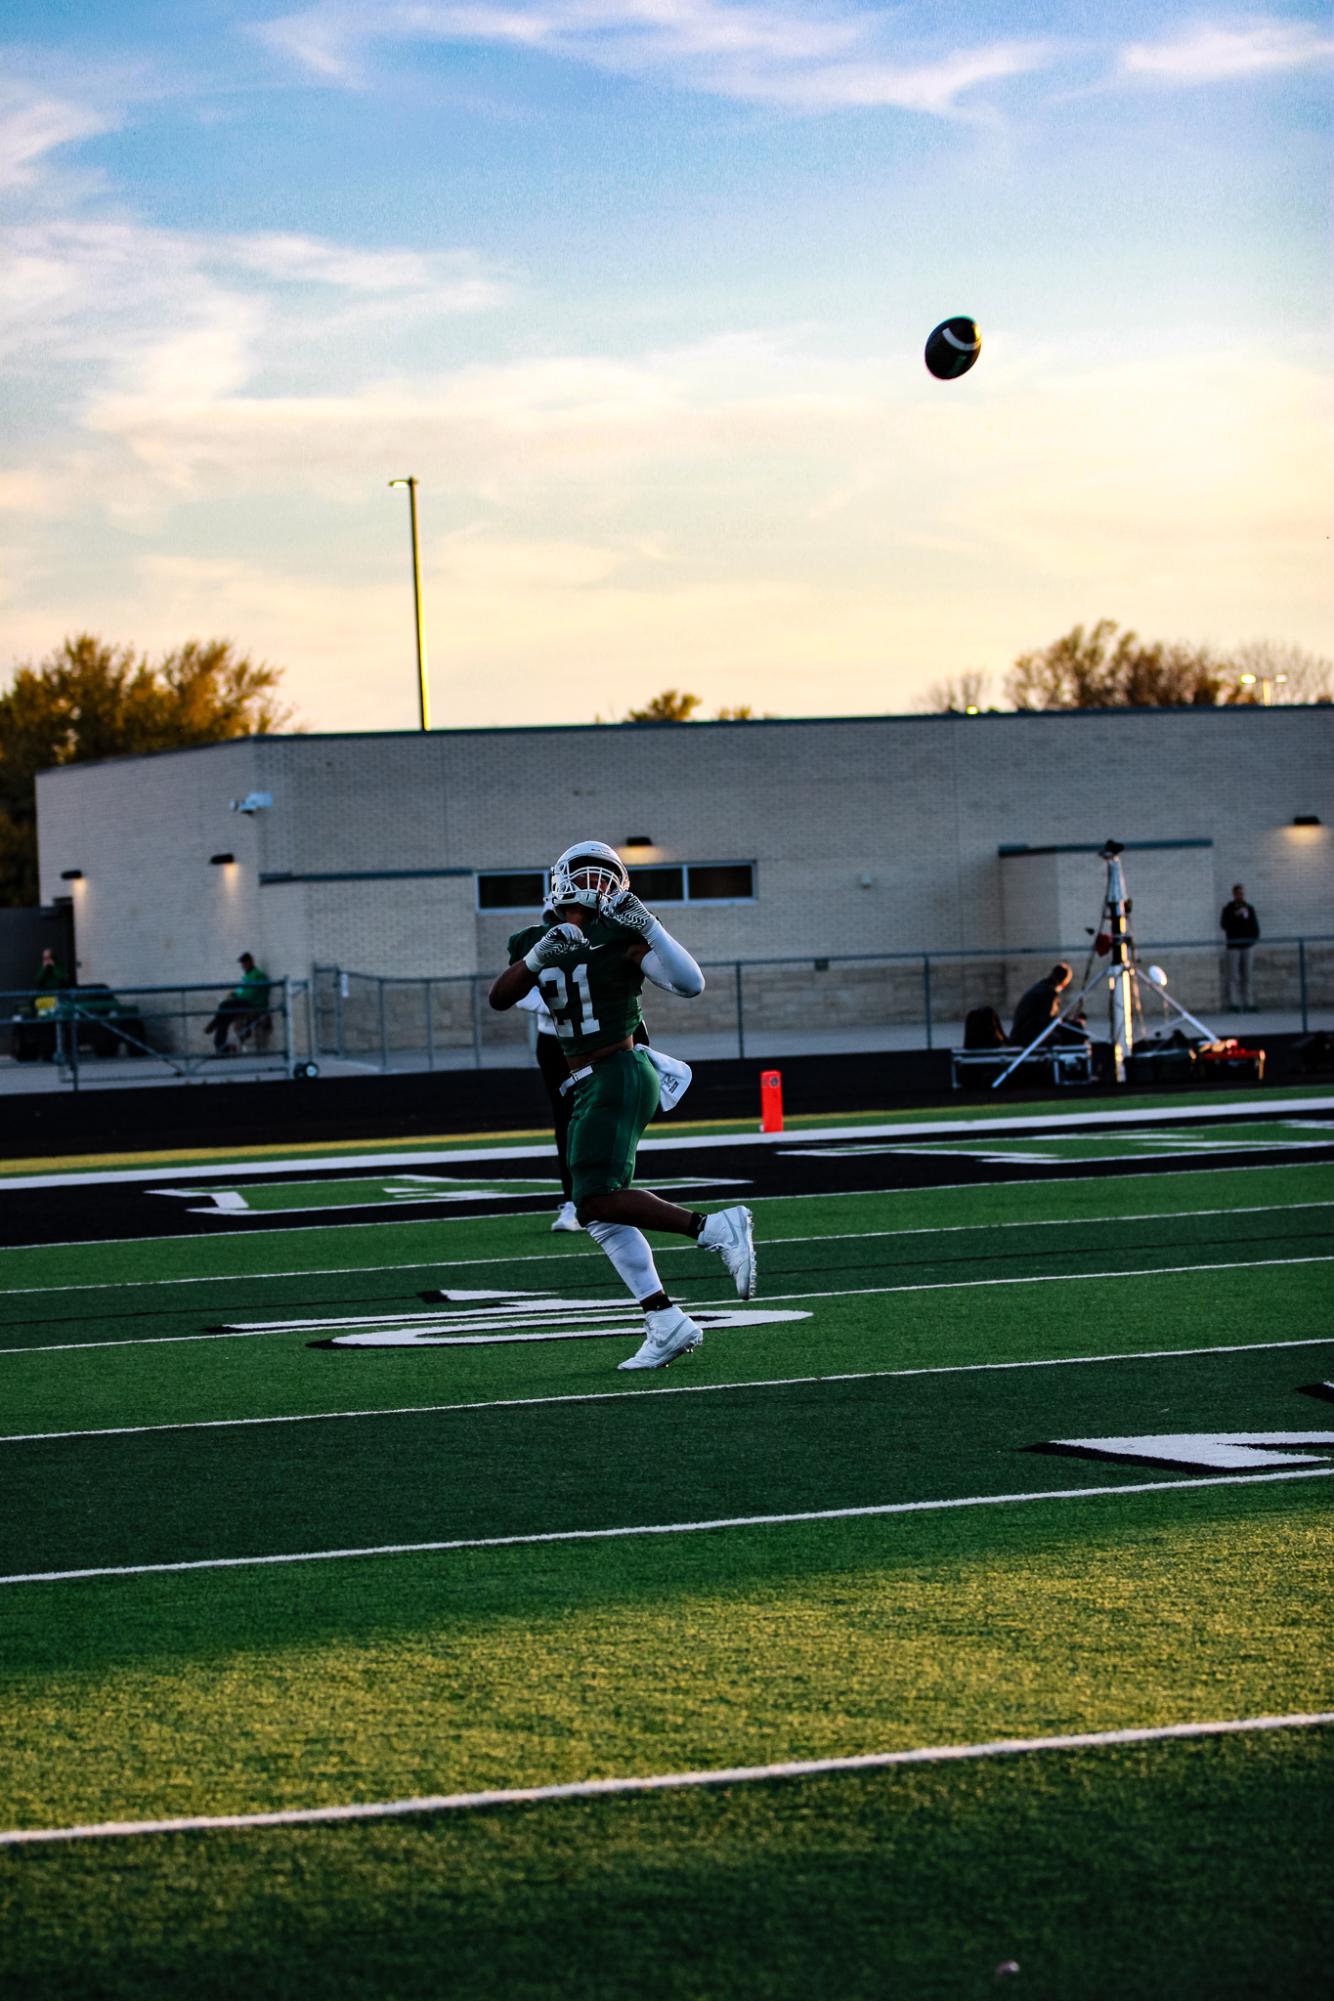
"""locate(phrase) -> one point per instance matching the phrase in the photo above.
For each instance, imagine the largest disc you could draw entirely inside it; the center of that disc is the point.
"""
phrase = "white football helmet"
(587, 873)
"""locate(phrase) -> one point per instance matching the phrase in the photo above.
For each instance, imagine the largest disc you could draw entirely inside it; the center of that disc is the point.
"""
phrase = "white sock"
(629, 1252)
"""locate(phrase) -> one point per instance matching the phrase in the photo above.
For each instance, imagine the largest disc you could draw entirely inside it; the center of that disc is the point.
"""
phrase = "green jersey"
(253, 991)
(593, 998)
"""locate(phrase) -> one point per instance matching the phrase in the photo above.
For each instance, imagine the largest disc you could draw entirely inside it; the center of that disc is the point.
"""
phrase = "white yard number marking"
(569, 1001)
(1214, 1449)
(467, 1319)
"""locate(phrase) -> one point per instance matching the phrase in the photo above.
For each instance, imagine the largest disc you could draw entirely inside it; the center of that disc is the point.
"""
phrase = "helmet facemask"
(587, 874)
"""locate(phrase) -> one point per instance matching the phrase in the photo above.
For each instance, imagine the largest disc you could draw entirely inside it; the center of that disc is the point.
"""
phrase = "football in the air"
(953, 347)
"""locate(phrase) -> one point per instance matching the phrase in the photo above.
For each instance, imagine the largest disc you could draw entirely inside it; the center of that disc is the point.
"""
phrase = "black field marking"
(1206, 1111)
(1166, 1169)
(118, 1212)
(218, 1163)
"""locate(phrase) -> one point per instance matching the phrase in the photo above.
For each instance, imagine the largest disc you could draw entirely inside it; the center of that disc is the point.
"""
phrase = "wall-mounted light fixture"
(216, 861)
(1306, 820)
(638, 841)
(71, 875)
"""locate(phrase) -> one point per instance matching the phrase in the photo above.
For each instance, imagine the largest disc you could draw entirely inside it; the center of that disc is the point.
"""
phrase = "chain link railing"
(142, 1034)
(750, 1007)
(793, 1005)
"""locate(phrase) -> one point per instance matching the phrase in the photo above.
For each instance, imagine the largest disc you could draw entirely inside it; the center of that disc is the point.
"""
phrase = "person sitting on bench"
(1040, 1006)
(245, 1006)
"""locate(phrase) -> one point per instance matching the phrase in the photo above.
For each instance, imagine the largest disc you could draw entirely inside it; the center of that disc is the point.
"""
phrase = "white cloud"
(813, 58)
(928, 87)
(805, 533)
(495, 431)
(329, 38)
(113, 292)
(33, 124)
(449, 281)
(1206, 52)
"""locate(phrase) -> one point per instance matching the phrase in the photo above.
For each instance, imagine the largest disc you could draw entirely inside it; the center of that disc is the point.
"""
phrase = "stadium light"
(423, 695)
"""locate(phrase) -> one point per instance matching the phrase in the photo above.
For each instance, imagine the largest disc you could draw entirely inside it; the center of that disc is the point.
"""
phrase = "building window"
(696, 882)
(658, 885)
(511, 889)
(720, 882)
(677, 882)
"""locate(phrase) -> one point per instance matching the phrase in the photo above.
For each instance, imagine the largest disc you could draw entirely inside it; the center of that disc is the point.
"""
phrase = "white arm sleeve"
(669, 965)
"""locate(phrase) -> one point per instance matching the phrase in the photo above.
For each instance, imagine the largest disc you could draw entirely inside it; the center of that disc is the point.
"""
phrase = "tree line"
(89, 700)
(1103, 666)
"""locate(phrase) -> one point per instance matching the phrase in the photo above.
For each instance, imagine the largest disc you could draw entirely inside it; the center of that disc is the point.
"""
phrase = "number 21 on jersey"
(569, 1002)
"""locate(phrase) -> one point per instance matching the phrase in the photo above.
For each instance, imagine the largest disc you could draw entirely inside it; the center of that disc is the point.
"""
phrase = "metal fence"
(91, 1034)
(757, 1007)
(787, 1006)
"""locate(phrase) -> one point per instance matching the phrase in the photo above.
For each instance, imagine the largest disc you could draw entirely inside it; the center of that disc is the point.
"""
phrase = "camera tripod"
(1122, 975)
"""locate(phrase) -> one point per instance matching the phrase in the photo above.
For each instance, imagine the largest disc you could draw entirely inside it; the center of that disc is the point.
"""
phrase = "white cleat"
(566, 1218)
(669, 1333)
(730, 1233)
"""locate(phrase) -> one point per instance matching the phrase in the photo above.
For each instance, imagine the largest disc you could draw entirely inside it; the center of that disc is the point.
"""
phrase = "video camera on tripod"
(1122, 974)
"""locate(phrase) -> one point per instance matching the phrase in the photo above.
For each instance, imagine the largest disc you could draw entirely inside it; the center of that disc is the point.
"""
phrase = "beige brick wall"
(150, 909)
(872, 835)
(1054, 898)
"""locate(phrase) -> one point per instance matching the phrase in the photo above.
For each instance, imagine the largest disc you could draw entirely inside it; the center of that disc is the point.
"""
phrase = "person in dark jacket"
(1241, 928)
(52, 980)
(1041, 1005)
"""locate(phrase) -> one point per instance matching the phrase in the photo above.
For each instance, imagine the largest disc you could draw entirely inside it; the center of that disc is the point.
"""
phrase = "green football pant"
(612, 1106)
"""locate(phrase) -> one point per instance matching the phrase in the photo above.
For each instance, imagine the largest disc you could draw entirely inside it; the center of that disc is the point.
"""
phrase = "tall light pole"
(1266, 682)
(423, 693)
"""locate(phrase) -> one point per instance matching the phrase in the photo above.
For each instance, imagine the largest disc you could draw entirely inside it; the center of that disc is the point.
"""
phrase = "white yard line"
(1052, 1278)
(483, 1405)
(804, 1768)
(770, 1299)
(1161, 1148)
(657, 1528)
(1256, 1111)
(660, 1250)
(980, 1188)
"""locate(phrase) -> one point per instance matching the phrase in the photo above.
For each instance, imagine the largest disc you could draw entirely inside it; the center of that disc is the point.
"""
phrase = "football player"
(589, 961)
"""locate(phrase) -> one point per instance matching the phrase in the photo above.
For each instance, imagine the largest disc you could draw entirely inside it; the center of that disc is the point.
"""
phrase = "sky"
(637, 290)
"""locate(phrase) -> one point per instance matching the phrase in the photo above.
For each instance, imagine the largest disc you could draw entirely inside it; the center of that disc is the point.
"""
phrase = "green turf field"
(242, 1574)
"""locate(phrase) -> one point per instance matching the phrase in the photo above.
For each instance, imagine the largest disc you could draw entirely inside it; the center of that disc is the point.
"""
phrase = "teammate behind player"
(590, 963)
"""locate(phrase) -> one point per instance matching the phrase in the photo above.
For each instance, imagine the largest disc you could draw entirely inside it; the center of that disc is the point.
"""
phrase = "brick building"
(411, 854)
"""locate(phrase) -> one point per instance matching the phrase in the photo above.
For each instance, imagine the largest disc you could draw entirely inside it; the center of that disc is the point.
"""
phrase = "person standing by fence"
(52, 981)
(1241, 929)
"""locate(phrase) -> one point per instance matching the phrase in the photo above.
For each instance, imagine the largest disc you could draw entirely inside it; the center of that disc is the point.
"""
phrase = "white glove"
(555, 947)
(626, 910)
